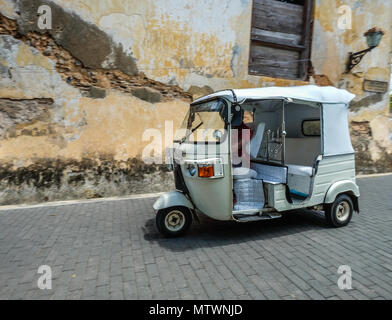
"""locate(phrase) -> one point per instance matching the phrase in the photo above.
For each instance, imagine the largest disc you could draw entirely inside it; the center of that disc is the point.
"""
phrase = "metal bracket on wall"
(356, 58)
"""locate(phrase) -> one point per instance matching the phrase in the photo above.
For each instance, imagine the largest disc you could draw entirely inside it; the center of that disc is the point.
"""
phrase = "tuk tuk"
(297, 155)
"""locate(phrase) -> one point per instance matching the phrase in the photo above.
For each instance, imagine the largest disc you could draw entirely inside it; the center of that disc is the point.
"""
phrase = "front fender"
(345, 186)
(172, 199)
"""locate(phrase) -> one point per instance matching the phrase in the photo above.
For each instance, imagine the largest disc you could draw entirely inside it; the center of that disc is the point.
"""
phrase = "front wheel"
(339, 213)
(174, 221)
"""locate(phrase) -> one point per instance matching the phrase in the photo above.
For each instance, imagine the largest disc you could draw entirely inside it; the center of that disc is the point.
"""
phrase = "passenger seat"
(300, 170)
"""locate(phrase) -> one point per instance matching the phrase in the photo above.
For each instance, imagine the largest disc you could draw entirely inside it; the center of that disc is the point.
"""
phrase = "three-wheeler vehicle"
(298, 155)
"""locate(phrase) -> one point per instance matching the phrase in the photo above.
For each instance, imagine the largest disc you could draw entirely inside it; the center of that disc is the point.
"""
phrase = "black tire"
(174, 221)
(339, 213)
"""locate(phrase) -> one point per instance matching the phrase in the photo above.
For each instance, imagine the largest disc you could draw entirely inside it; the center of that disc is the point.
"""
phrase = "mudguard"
(344, 186)
(172, 199)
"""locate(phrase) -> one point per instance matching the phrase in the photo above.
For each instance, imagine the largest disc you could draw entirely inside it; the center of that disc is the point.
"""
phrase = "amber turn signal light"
(206, 171)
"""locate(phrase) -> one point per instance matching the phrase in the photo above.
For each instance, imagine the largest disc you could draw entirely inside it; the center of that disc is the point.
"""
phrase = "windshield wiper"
(192, 131)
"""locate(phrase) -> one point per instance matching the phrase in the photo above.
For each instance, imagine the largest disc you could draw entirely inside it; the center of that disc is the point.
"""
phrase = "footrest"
(257, 217)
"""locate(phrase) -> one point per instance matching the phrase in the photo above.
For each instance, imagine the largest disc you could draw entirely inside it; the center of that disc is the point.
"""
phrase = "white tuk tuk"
(298, 155)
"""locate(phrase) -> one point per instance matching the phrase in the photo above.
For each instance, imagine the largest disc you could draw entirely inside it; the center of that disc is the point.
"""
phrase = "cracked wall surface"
(76, 99)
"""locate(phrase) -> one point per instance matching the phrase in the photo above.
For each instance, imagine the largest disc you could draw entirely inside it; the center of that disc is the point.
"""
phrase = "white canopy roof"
(335, 129)
(312, 93)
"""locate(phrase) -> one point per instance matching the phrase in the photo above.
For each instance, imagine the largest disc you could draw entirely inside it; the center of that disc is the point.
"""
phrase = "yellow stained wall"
(189, 43)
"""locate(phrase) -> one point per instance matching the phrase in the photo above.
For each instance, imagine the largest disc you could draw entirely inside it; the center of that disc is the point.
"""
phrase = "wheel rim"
(175, 221)
(342, 211)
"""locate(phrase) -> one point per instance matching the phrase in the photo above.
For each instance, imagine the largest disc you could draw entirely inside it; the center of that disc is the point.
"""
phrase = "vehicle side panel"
(330, 170)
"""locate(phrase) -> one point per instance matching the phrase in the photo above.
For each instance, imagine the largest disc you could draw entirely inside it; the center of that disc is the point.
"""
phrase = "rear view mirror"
(237, 115)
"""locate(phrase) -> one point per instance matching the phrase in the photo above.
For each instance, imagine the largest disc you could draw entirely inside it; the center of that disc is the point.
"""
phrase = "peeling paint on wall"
(73, 71)
(14, 113)
(68, 29)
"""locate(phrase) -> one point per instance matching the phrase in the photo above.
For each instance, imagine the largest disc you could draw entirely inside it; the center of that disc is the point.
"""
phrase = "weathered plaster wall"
(371, 125)
(75, 101)
(70, 131)
(189, 43)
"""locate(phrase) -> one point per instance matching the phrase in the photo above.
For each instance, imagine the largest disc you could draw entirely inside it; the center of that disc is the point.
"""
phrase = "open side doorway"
(283, 148)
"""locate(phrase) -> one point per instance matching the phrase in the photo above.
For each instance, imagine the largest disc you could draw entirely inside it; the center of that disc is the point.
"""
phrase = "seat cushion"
(270, 174)
(244, 173)
(300, 170)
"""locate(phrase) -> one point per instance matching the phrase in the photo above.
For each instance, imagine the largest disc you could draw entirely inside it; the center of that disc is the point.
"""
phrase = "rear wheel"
(339, 213)
(174, 221)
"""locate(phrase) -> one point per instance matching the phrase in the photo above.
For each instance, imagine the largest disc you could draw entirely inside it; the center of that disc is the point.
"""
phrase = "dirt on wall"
(362, 138)
(51, 180)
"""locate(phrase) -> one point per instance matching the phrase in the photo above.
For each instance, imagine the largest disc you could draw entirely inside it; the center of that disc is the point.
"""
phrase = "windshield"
(202, 123)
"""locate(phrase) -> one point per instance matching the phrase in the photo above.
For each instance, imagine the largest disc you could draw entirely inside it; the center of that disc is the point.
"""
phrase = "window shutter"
(280, 39)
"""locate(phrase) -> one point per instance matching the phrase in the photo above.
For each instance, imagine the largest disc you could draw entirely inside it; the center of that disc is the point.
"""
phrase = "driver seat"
(254, 147)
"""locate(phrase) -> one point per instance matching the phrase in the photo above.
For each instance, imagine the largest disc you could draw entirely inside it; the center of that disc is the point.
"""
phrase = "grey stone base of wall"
(55, 181)
(362, 138)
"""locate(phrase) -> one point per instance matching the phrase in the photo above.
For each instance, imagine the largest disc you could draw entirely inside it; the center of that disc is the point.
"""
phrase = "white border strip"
(133, 197)
(69, 202)
(375, 175)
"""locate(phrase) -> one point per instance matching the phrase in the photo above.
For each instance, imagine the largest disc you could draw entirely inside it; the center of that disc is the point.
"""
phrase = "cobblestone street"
(112, 250)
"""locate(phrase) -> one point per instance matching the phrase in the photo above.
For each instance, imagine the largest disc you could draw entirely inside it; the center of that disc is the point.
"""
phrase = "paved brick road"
(106, 250)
